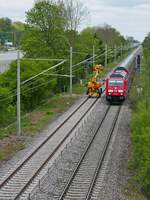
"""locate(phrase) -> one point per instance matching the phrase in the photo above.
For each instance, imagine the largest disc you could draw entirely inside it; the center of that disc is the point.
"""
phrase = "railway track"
(19, 179)
(83, 179)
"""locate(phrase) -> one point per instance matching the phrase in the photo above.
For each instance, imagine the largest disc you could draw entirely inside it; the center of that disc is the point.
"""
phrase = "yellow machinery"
(93, 87)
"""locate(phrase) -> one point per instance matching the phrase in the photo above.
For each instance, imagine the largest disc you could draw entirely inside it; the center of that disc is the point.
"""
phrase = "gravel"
(57, 177)
(115, 174)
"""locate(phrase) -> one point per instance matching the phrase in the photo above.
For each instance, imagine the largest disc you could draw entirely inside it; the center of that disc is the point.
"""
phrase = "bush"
(140, 127)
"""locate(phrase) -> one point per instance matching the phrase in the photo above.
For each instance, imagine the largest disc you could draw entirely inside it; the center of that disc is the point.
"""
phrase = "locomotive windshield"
(115, 83)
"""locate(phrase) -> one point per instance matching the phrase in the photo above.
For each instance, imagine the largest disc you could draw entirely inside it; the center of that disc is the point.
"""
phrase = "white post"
(18, 95)
(115, 53)
(93, 55)
(121, 50)
(106, 56)
(71, 71)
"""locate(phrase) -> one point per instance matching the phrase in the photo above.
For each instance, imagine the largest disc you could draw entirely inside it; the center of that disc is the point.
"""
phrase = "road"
(6, 58)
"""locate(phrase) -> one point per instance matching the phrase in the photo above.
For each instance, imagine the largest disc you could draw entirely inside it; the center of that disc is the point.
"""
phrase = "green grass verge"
(140, 128)
(32, 123)
(132, 193)
(10, 147)
(36, 120)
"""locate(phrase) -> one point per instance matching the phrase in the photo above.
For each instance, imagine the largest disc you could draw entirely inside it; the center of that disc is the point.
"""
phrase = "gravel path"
(116, 171)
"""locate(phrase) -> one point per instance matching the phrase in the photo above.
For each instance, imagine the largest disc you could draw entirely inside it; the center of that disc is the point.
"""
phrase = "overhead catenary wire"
(11, 92)
(86, 60)
(41, 59)
(82, 62)
(96, 56)
(81, 53)
(44, 71)
(38, 86)
(53, 67)
(23, 91)
(11, 96)
(39, 78)
(23, 84)
(58, 75)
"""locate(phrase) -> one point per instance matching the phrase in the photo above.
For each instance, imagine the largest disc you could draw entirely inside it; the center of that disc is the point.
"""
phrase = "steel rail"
(14, 172)
(52, 154)
(49, 137)
(102, 156)
(82, 158)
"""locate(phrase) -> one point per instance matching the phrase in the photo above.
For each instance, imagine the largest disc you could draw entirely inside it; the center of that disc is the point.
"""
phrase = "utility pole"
(71, 71)
(121, 50)
(106, 56)
(93, 55)
(115, 53)
(18, 95)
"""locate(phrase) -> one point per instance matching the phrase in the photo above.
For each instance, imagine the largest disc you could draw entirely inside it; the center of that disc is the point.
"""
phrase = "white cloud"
(129, 20)
(124, 3)
(15, 9)
(129, 17)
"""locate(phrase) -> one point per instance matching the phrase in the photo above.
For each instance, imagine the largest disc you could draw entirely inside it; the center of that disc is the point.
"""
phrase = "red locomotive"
(118, 82)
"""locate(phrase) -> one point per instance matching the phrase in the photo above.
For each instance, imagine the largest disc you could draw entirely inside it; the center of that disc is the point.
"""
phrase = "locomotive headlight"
(120, 91)
(110, 91)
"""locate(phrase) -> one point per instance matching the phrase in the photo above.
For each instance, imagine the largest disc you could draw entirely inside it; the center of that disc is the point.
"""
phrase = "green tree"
(45, 30)
(146, 42)
(5, 25)
(109, 35)
(5, 30)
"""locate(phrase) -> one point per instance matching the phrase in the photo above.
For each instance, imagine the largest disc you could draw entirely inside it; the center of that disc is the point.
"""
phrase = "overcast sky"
(131, 18)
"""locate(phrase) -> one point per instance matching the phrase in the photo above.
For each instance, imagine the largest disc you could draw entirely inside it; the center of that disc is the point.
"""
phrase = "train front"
(116, 89)
(117, 84)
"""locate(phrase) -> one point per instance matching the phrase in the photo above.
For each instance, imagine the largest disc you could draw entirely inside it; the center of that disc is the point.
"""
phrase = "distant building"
(8, 44)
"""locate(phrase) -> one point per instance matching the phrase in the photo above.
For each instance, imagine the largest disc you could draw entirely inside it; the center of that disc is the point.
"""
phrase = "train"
(119, 80)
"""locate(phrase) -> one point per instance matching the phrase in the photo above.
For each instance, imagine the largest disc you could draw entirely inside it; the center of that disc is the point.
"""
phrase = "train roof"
(126, 62)
(119, 69)
(115, 79)
(116, 75)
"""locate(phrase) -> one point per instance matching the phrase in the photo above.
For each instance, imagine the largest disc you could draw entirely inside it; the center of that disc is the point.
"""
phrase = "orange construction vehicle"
(94, 86)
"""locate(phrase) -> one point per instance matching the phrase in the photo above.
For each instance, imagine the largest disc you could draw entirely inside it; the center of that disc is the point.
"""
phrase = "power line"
(33, 77)
(38, 86)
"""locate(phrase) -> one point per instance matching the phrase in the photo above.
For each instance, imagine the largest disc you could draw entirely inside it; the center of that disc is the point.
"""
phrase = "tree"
(75, 13)
(5, 25)
(109, 35)
(45, 30)
(18, 26)
(5, 30)
(146, 42)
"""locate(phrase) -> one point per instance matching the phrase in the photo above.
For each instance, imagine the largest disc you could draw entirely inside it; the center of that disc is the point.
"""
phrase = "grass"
(132, 193)
(32, 123)
(36, 120)
(140, 129)
(9, 148)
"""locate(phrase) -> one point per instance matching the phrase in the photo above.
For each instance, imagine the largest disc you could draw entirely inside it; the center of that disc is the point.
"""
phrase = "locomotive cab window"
(115, 83)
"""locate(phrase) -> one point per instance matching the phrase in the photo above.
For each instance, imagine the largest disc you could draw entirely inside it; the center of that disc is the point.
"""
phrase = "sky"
(130, 18)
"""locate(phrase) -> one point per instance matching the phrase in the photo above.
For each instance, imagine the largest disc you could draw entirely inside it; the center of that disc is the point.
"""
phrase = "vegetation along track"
(15, 184)
(83, 179)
